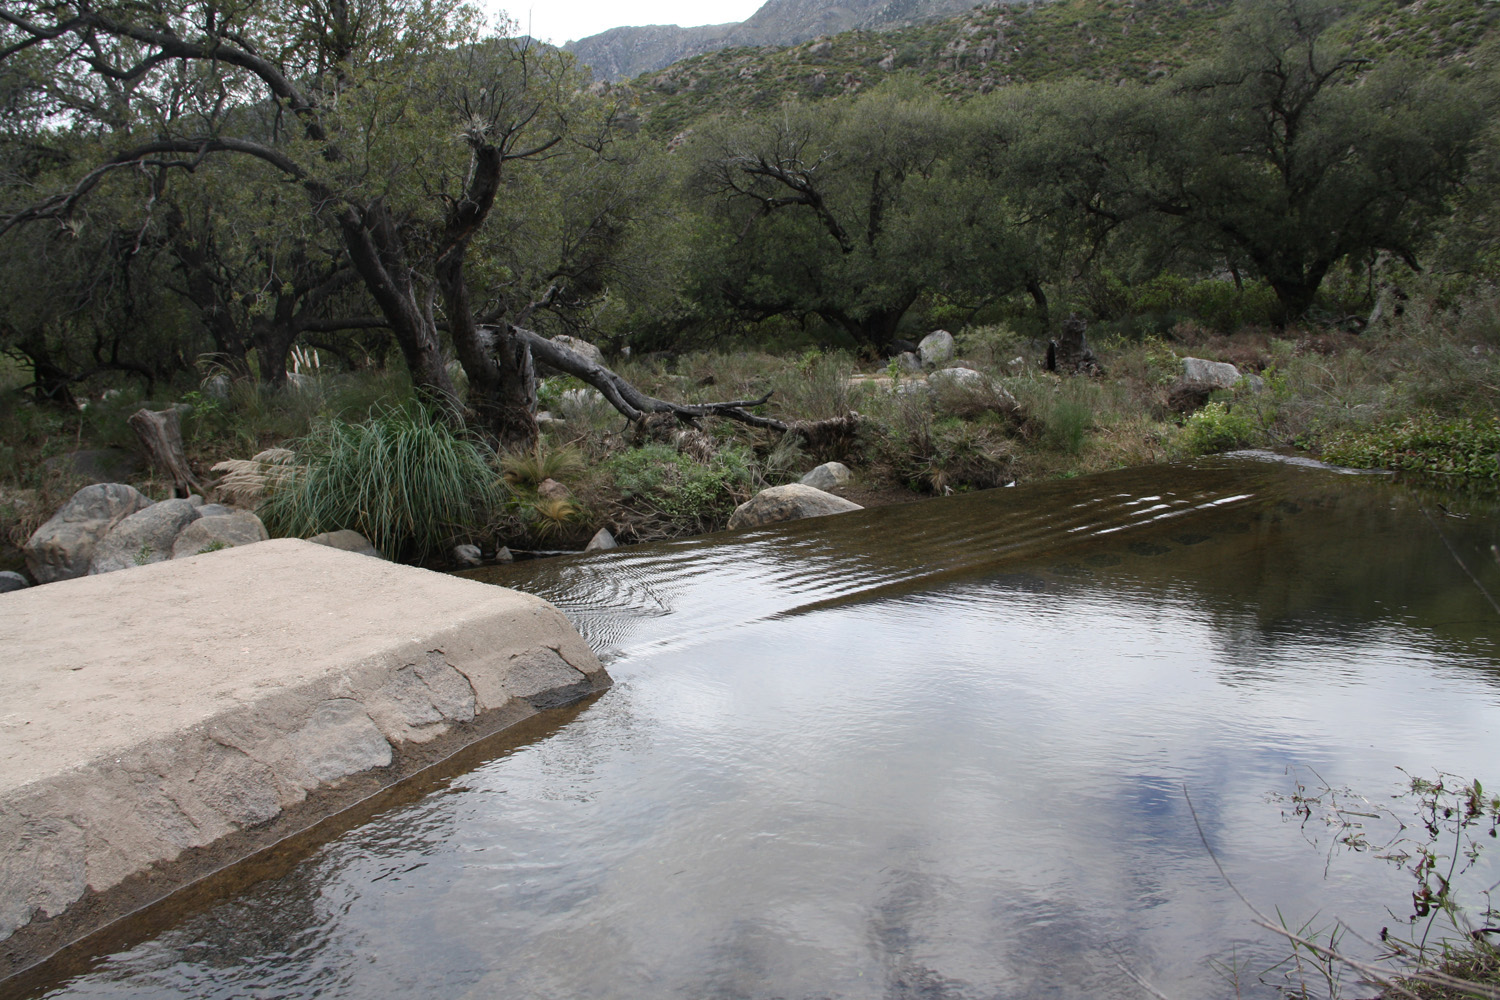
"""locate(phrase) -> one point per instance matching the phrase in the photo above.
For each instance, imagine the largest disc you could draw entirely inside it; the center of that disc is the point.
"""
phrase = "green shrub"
(688, 494)
(402, 478)
(1216, 428)
(1465, 446)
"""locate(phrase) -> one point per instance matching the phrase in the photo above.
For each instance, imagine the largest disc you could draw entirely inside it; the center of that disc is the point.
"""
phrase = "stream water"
(938, 750)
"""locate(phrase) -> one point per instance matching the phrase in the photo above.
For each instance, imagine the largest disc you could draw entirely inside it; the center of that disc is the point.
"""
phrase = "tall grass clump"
(402, 478)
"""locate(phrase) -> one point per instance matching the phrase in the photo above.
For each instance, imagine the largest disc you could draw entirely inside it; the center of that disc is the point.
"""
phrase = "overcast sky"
(559, 21)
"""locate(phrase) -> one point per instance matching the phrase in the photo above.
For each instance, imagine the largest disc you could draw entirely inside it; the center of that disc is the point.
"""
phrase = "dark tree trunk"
(50, 382)
(1034, 289)
(161, 436)
(375, 248)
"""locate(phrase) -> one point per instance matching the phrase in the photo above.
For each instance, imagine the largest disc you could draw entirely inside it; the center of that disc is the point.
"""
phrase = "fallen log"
(637, 407)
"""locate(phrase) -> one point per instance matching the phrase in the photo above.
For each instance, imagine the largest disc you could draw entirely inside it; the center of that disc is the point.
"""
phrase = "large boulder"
(1214, 374)
(62, 548)
(787, 503)
(211, 532)
(936, 348)
(348, 540)
(828, 476)
(147, 536)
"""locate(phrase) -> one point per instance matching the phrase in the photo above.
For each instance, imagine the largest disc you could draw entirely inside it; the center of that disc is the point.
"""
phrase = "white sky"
(559, 21)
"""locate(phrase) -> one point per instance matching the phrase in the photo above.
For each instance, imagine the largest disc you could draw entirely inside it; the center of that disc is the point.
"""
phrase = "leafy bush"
(1465, 446)
(686, 493)
(1216, 428)
(403, 479)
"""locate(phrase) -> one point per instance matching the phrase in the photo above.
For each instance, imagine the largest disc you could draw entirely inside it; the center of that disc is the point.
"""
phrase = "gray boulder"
(602, 541)
(1213, 374)
(787, 503)
(828, 476)
(504, 555)
(909, 362)
(347, 540)
(147, 536)
(62, 548)
(467, 555)
(211, 532)
(11, 580)
(936, 348)
(580, 347)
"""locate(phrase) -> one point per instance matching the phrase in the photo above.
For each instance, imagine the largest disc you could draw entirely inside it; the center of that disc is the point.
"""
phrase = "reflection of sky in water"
(970, 791)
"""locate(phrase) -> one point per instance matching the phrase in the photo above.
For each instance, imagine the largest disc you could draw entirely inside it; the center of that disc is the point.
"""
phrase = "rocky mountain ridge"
(623, 53)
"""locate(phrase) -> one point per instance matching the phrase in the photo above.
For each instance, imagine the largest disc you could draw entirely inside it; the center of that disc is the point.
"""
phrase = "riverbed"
(950, 749)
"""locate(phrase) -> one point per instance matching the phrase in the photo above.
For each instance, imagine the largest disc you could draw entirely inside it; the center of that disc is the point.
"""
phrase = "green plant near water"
(403, 478)
(1216, 428)
(1436, 830)
(684, 492)
(1466, 447)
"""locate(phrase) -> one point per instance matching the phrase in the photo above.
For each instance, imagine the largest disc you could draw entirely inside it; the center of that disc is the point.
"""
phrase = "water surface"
(937, 750)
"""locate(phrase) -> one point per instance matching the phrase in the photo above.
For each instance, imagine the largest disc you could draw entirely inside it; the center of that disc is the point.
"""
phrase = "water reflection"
(935, 751)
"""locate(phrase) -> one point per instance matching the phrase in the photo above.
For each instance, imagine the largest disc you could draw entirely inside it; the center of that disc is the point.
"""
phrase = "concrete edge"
(86, 845)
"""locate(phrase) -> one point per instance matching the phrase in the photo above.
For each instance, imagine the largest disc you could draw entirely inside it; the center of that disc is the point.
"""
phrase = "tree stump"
(161, 435)
(1071, 354)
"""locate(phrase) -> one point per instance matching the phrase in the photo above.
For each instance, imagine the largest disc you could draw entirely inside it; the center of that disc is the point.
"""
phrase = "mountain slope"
(622, 53)
(999, 45)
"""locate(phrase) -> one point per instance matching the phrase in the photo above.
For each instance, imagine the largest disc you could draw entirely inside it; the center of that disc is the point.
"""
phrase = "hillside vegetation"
(998, 45)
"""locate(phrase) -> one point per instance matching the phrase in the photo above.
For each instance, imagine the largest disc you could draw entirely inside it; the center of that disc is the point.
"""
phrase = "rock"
(504, 555)
(1214, 374)
(787, 503)
(217, 387)
(212, 532)
(909, 362)
(580, 347)
(936, 348)
(147, 536)
(11, 580)
(467, 555)
(551, 489)
(216, 509)
(347, 540)
(62, 548)
(546, 419)
(827, 476)
(602, 541)
(98, 465)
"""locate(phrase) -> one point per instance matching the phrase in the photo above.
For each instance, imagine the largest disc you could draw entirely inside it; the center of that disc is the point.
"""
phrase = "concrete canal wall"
(179, 707)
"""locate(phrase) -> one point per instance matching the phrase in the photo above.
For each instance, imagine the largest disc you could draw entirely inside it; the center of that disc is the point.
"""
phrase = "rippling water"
(934, 751)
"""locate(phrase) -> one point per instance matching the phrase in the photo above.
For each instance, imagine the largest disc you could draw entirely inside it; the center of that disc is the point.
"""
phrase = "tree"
(395, 118)
(851, 213)
(1291, 153)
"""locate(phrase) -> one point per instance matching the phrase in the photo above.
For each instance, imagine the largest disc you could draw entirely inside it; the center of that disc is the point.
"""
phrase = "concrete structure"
(188, 708)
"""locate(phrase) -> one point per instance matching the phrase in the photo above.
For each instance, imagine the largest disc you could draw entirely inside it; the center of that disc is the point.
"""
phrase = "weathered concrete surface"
(152, 713)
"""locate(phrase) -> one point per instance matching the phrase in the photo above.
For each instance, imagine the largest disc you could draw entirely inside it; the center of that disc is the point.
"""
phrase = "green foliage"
(527, 470)
(1467, 447)
(1067, 420)
(403, 478)
(1216, 428)
(688, 494)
